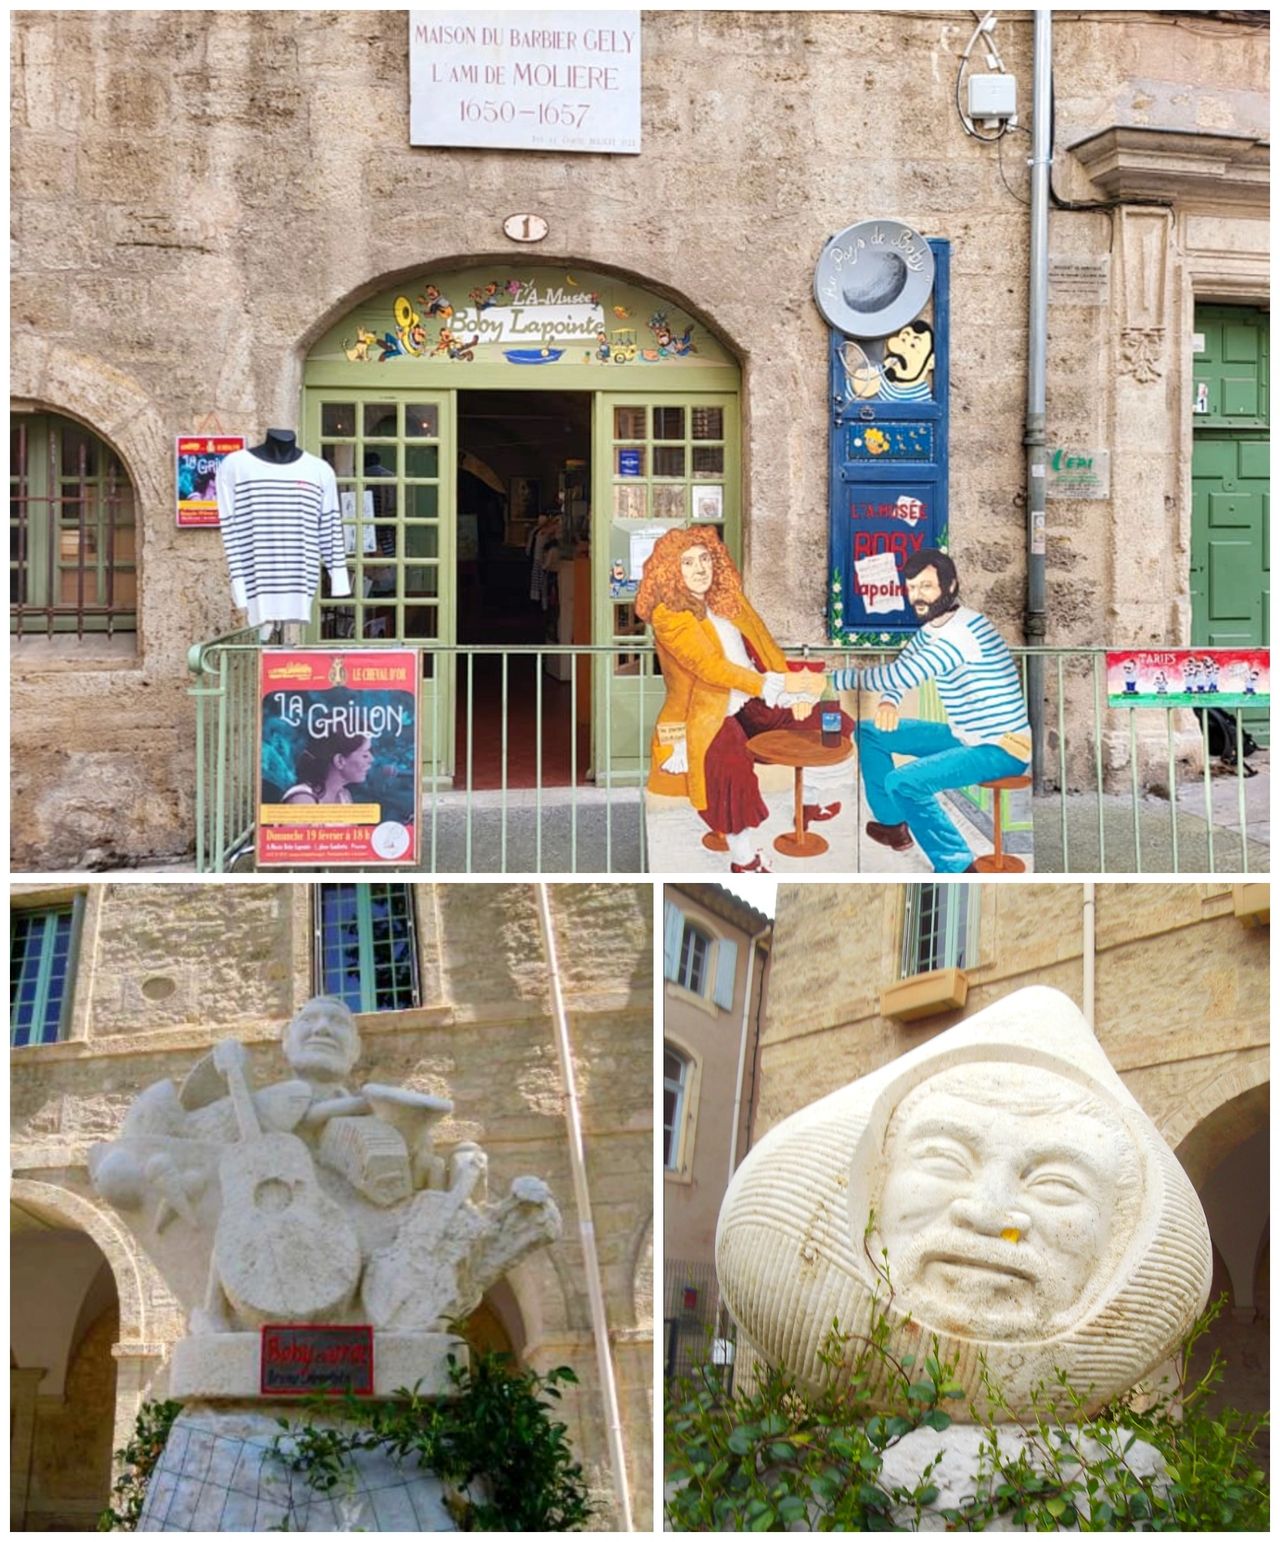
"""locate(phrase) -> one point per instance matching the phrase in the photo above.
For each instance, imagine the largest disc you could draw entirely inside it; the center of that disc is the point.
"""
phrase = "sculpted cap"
(1026, 1208)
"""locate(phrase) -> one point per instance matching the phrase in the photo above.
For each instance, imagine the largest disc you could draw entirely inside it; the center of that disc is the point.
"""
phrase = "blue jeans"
(905, 794)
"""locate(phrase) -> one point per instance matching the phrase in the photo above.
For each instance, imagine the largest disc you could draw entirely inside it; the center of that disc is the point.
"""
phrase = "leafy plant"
(138, 1458)
(505, 1462)
(775, 1457)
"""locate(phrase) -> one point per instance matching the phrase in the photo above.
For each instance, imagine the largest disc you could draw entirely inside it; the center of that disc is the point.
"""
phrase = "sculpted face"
(321, 1043)
(1000, 1200)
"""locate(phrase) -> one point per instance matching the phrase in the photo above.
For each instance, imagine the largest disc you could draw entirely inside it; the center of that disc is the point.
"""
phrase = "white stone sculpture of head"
(1024, 1207)
(321, 1042)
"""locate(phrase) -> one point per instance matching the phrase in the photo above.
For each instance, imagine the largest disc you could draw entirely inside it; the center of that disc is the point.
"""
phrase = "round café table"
(795, 747)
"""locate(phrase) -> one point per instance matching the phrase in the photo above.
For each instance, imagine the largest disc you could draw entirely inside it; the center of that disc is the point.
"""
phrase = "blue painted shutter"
(674, 934)
(726, 968)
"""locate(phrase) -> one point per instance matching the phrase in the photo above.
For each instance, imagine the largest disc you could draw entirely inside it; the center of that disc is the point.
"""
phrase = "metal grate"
(72, 562)
(697, 1331)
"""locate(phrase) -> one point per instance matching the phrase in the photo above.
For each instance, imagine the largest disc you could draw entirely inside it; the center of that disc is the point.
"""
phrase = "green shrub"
(506, 1464)
(137, 1459)
(775, 1457)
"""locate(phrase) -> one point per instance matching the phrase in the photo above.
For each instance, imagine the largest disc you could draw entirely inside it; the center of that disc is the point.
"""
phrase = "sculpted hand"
(886, 717)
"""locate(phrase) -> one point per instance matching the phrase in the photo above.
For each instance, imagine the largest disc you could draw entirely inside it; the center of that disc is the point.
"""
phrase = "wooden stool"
(999, 861)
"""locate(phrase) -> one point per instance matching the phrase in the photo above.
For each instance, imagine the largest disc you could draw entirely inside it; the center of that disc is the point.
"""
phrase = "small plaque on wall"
(309, 1358)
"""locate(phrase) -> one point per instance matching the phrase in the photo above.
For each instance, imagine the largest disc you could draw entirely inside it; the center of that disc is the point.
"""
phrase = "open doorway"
(523, 579)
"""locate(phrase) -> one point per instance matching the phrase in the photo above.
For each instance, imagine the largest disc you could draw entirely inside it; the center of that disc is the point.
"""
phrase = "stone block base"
(226, 1365)
(217, 1473)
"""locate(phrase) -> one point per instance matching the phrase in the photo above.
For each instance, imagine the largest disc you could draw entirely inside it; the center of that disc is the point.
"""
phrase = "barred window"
(366, 945)
(41, 960)
(72, 552)
(940, 927)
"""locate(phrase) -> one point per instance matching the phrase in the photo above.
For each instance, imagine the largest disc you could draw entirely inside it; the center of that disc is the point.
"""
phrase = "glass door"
(661, 461)
(393, 455)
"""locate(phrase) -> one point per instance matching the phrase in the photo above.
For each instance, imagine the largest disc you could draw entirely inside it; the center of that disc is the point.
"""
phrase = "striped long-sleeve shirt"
(279, 522)
(977, 680)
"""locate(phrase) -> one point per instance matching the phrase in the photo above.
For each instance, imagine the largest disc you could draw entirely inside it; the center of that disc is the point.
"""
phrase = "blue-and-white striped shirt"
(280, 521)
(977, 680)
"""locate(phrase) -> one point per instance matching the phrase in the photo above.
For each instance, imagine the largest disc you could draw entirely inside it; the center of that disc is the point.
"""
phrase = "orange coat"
(699, 678)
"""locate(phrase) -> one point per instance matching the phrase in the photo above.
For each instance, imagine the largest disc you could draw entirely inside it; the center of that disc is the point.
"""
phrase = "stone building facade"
(1181, 991)
(199, 198)
(713, 1004)
(162, 972)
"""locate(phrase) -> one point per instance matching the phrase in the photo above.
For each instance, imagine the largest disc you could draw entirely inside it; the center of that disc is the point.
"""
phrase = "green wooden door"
(1230, 537)
(660, 460)
(393, 455)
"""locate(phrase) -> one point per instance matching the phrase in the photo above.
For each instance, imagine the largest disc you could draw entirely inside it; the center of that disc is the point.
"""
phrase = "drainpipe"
(742, 1054)
(586, 1227)
(1089, 948)
(1033, 438)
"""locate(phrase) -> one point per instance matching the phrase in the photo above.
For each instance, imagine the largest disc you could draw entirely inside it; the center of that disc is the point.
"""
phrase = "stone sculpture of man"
(999, 1189)
(296, 1201)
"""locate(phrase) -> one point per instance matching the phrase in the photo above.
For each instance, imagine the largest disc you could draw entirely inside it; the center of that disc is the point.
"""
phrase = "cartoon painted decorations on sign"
(1189, 677)
(536, 318)
(338, 766)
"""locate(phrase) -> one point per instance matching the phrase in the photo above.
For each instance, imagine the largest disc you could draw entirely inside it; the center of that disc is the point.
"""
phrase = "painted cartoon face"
(697, 569)
(999, 1200)
(908, 354)
(925, 594)
(322, 1041)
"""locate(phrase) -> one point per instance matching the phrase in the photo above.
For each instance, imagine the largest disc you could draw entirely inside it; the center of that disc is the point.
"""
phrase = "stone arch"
(640, 1274)
(1214, 1118)
(65, 1208)
(106, 400)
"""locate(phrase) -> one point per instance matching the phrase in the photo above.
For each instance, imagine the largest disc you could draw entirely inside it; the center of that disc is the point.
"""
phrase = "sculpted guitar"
(283, 1250)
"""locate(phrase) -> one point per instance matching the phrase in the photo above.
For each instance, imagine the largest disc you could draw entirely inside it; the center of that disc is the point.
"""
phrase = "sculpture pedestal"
(965, 1469)
(217, 1473)
(226, 1365)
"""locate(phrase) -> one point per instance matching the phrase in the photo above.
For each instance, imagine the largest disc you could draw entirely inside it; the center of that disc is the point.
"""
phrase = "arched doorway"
(605, 413)
(1226, 1154)
(65, 1324)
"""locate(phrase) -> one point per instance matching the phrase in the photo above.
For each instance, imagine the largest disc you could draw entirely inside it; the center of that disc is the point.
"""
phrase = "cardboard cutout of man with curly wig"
(726, 680)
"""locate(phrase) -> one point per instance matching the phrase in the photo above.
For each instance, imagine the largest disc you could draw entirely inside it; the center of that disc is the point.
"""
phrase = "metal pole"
(1089, 948)
(586, 1227)
(1033, 438)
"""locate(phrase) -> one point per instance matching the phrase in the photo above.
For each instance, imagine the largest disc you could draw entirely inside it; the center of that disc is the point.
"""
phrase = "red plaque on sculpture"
(312, 1358)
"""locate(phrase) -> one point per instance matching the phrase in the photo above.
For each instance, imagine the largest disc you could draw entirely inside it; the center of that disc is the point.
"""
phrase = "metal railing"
(693, 1322)
(544, 807)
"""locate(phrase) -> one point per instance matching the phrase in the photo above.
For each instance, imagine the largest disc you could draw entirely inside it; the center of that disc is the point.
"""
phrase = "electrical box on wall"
(993, 97)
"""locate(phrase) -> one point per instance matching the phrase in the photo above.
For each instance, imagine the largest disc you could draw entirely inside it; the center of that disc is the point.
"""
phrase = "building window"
(695, 950)
(41, 960)
(675, 1086)
(72, 556)
(696, 961)
(366, 945)
(940, 928)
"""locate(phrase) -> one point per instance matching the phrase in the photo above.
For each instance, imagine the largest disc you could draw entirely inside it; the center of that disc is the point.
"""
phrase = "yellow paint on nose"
(1010, 1234)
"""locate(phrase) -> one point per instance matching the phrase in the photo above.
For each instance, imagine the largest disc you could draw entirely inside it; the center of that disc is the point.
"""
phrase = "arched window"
(72, 551)
(675, 1089)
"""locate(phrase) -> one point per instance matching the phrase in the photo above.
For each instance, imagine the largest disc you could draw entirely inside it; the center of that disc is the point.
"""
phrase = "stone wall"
(187, 222)
(484, 1034)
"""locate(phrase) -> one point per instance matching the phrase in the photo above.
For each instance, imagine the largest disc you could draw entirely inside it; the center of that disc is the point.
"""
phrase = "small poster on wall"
(198, 459)
(1189, 677)
(338, 757)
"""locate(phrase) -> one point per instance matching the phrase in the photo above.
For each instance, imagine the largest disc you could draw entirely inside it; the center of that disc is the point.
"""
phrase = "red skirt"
(733, 793)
